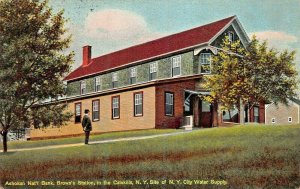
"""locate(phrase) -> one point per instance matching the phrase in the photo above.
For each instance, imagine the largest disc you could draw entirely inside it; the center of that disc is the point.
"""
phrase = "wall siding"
(142, 73)
(187, 63)
(106, 81)
(127, 119)
(281, 114)
(90, 84)
(164, 68)
(163, 121)
(73, 88)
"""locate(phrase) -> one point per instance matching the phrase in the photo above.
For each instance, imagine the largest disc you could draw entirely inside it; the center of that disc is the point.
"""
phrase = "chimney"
(86, 55)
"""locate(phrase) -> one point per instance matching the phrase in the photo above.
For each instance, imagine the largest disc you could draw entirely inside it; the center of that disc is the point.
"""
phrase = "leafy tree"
(33, 63)
(249, 76)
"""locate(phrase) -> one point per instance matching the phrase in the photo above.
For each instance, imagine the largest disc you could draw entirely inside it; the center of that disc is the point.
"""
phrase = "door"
(206, 114)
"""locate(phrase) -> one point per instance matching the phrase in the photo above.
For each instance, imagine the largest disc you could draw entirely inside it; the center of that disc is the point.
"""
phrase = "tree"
(33, 63)
(250, 75)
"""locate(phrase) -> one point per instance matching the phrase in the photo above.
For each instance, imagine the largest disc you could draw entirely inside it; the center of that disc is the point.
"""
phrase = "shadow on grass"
(6, 153)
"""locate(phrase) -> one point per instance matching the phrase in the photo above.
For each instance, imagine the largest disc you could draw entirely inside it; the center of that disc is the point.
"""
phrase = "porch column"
(196, 111)
(215, 122)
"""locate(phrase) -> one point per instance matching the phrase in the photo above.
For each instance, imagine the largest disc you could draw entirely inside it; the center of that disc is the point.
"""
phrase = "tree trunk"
(4, 135)
(242, 110)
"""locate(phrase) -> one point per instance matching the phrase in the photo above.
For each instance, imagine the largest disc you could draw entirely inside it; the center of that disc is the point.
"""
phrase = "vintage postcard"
(149, 94)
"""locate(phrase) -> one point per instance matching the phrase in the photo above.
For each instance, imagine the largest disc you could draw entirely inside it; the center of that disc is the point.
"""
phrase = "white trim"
(243, 30)
(176, 63)
(236, 30)
(200, 63)
(198, 50)
(221, 31)
(115, 105)
(82, 86)
(229, 52)
(298, 113)
(244, 43)
(114, 77)
(133, 72)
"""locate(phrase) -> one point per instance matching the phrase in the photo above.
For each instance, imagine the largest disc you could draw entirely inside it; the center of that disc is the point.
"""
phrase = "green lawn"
(73, 140)
(240, 157)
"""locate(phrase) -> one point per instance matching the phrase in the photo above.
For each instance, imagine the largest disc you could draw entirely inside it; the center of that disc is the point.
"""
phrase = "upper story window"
(82, 87)
(205, 62)
(97, 84)
(133, 73)
(114, 80)
(96, 110)
(176, 66)
(115, 107)
(138, 104)
(78, 112)
(231, 36)
(169, 104)
(153, 70)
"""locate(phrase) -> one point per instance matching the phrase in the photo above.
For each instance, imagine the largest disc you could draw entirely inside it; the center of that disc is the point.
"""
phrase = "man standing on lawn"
(86, 125)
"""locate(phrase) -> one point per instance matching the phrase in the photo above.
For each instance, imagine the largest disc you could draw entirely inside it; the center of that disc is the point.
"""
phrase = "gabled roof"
(172, 43)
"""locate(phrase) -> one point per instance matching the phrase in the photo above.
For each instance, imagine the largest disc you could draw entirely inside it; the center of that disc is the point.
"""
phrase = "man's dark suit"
(87, 127)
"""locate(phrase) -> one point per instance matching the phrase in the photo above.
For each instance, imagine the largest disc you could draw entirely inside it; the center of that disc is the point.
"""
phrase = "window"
(273, 120)
(205, 62)
(169, 104)
(97, 84)
(256, 114)
(153, 71)
(114, 80)
(96, 110)
(133, 75)
(115, 107)
(82, 87)
(205, 106)
(138, 104)
(290, 119)
(231, 36)
(77, 112)
(176, 66)
(188, 104)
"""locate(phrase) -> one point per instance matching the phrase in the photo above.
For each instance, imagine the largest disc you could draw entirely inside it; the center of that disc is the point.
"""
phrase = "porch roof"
(198, 92)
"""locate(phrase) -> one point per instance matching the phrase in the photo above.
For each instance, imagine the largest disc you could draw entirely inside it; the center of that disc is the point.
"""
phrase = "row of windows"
(115, 107)
(205, 64)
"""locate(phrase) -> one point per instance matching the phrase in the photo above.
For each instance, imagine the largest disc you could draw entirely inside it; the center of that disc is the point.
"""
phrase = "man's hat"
(86, 111)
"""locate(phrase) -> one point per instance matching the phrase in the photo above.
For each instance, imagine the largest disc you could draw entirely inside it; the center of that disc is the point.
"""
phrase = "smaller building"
(282, 114)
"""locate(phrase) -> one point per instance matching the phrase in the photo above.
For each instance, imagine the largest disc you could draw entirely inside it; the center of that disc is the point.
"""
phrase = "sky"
(110, 25)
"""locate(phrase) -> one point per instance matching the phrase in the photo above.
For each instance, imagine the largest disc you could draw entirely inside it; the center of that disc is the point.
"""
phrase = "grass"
(80, 139)
(243, 156)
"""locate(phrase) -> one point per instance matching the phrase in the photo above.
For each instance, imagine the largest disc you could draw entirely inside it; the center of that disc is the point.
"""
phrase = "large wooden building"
(151, 85)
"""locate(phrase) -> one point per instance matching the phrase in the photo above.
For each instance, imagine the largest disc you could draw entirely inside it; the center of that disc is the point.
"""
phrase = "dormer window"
(97, 84)
(231, 36)
(82, 87)
(133, 75)
(205, 63)
(114, 80)
(176, 66)
(153, 71)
